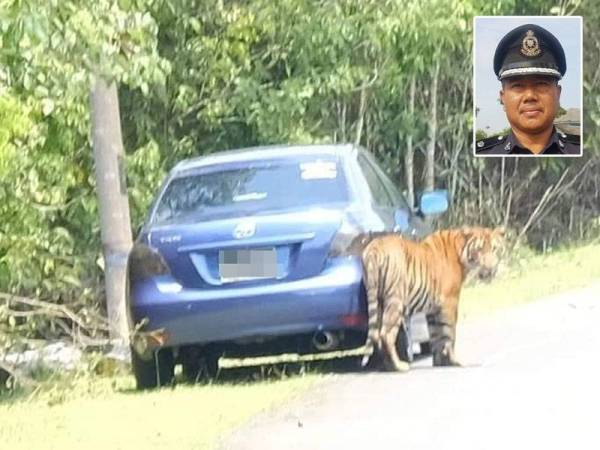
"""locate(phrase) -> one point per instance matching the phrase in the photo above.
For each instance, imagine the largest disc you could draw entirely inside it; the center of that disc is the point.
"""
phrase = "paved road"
(532, 381)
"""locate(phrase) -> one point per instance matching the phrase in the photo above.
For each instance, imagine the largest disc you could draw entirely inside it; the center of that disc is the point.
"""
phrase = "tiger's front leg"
(391, 323)
(442, 330)
(445, 356)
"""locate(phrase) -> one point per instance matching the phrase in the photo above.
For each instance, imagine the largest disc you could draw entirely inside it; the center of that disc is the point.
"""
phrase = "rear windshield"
(256, 187)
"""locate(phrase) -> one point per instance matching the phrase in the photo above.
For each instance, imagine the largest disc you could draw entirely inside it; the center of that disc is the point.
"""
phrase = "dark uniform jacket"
(559, 144)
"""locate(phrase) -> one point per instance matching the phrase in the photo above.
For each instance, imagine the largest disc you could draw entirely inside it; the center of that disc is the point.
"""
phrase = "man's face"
(531, 102)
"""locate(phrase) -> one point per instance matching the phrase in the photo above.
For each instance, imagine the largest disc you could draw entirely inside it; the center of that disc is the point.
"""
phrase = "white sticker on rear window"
(249, 196)
(318, 170)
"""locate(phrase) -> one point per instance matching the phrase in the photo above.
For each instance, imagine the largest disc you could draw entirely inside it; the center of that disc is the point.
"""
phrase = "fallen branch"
(51, 309)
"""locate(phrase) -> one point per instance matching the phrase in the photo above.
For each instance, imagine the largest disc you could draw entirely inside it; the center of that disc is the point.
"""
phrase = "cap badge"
(530, 46)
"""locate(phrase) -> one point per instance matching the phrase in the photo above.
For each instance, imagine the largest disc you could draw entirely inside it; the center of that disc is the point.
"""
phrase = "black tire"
(211, 364)
(199, 364)
(426, 349)
(158, 371)
(375, 363)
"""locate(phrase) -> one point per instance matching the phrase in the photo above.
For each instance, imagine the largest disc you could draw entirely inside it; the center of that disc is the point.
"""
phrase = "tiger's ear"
(472, 246)
(500, 231)
(472, 233)
(468, 233)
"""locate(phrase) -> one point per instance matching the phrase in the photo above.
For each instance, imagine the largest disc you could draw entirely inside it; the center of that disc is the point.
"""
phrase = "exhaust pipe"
(325, 341)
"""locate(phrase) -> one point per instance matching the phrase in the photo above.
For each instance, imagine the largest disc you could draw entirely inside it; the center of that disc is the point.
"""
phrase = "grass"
(107, 413)
(529, 277)
(81, 411)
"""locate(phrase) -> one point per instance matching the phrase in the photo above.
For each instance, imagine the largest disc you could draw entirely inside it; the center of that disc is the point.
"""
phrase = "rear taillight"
(353, 320)
(145, 262)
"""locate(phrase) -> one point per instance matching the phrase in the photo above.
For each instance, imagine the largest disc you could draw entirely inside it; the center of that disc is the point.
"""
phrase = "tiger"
(403, 277)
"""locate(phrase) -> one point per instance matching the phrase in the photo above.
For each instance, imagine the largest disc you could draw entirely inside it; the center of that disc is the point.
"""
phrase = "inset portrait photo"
(527, 86)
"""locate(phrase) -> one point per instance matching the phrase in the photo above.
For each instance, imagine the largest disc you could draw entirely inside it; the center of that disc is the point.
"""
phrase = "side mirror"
(401, 220)
(434, 202)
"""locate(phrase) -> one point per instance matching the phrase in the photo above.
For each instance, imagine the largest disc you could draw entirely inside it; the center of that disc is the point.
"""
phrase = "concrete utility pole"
(113, 204)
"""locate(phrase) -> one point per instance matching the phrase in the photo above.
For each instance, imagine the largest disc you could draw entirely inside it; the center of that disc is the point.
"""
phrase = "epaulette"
(490, 142)
(573, 139)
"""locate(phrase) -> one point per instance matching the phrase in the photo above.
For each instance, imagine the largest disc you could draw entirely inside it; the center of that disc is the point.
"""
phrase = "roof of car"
(266, 152)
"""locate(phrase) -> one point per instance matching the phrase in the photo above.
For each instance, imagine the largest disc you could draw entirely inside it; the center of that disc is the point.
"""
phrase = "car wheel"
(158, 371)
(425, 349)
(198, 363)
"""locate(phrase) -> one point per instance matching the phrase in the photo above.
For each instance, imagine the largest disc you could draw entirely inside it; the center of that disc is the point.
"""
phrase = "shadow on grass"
(12, 391)
(282, 370)
(55, 387)
(248, 375)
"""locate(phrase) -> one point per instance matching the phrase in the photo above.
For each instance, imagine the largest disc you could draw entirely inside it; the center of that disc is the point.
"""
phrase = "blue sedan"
(253, 251)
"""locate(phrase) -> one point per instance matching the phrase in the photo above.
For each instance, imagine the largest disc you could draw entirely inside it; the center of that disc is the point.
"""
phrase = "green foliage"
(49, 233)
(480, 134)
(561, 111)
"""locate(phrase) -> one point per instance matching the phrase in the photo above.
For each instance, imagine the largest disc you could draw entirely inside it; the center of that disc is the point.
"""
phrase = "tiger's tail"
(371, 280)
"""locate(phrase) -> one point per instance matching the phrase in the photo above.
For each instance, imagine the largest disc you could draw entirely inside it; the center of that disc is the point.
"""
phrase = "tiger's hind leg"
(372, 280)
(391, 323)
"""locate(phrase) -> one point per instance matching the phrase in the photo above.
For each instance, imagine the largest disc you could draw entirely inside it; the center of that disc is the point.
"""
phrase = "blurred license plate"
(246, 264)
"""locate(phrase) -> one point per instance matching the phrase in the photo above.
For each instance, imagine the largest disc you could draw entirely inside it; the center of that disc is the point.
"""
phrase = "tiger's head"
(482, 251)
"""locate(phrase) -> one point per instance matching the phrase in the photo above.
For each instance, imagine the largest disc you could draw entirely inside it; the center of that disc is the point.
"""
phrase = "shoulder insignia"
(484, 144)
(573, 139)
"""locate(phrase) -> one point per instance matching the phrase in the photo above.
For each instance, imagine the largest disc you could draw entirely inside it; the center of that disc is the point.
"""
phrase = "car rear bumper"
(332, 300)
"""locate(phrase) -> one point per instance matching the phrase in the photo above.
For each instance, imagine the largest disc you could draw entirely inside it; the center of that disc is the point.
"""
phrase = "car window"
(399, 200)
(246, 189)
(378, 190)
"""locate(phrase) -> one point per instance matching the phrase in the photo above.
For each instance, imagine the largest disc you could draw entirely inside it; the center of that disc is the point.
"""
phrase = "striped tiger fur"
(403, 277)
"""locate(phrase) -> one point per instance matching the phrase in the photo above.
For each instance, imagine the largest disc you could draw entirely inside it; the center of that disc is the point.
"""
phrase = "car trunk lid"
(265, 248)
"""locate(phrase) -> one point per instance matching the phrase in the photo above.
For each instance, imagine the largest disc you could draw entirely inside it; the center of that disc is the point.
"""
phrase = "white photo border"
(533, 19)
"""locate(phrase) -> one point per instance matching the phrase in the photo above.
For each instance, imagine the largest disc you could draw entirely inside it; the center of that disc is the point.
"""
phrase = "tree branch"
(54, 312)
(543, 201)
